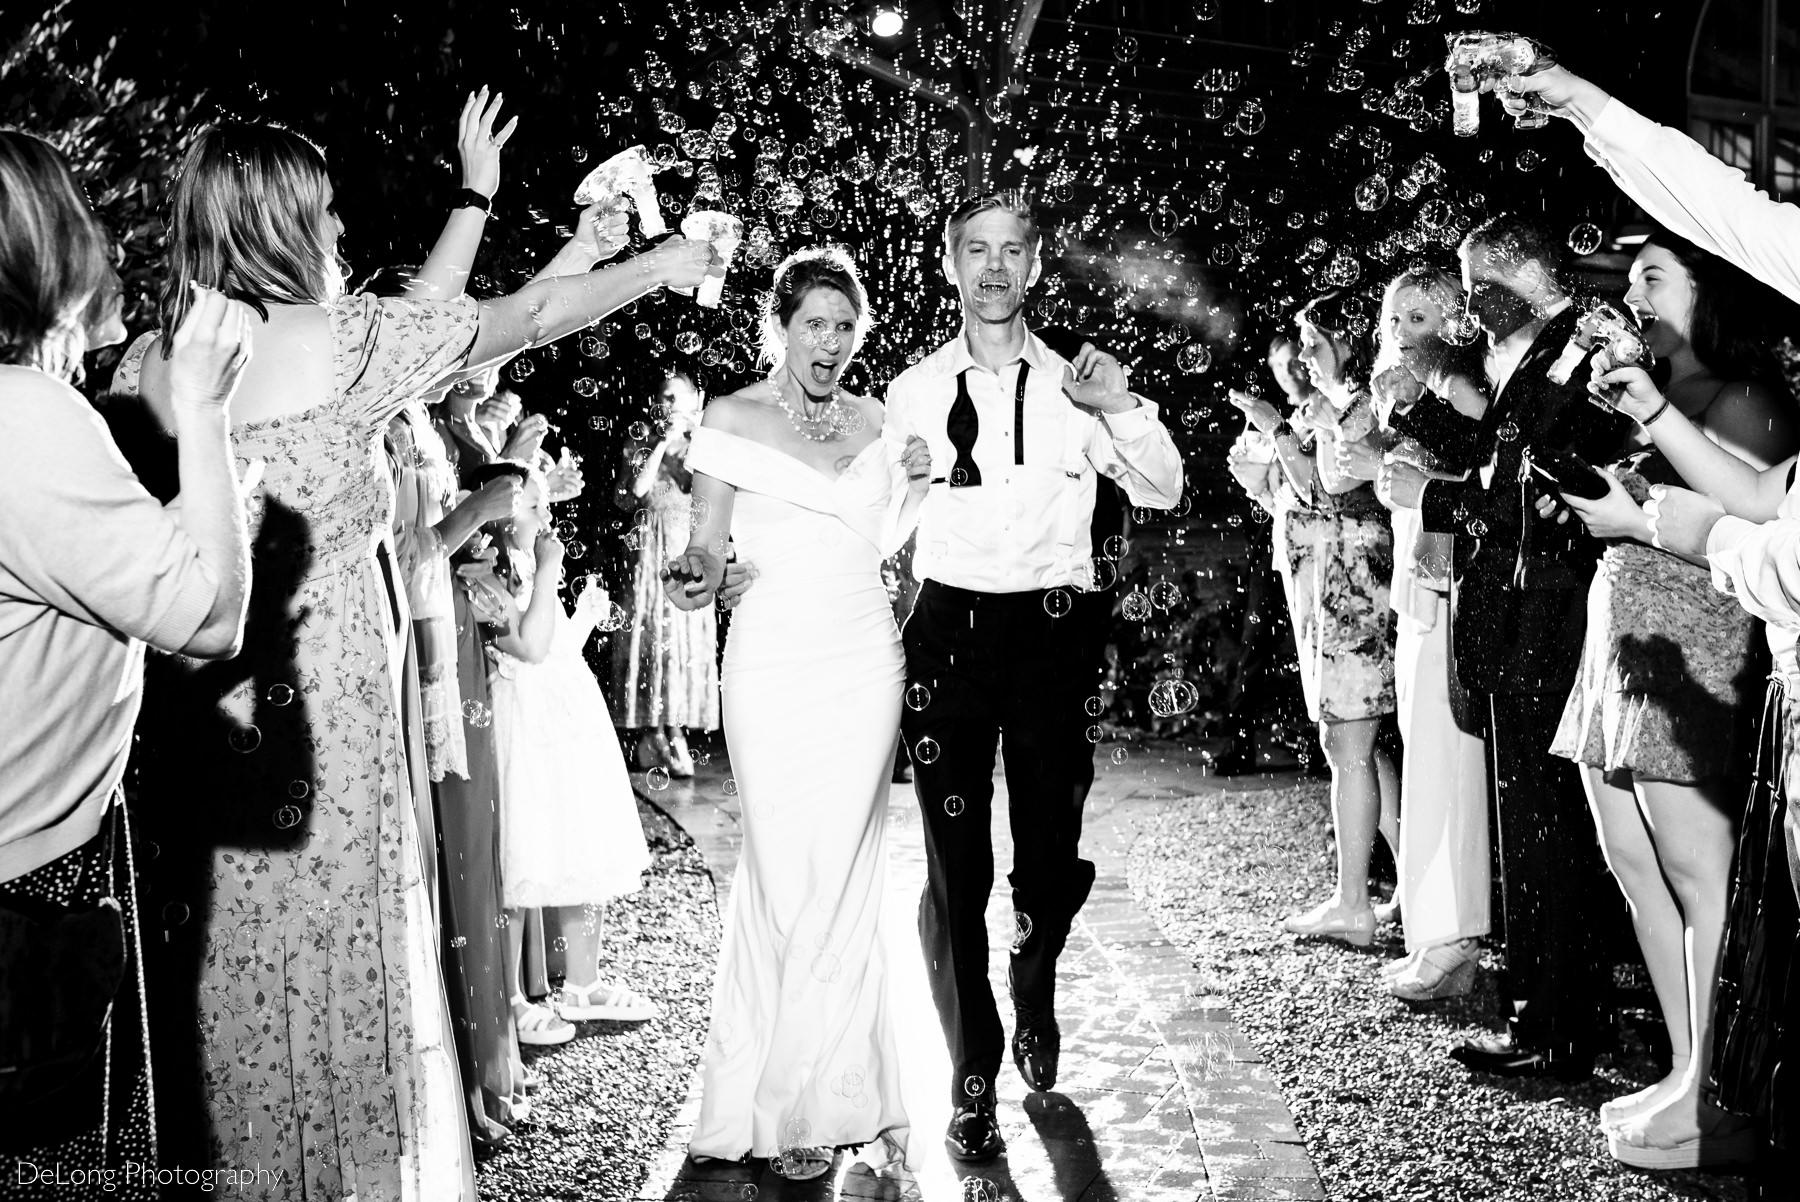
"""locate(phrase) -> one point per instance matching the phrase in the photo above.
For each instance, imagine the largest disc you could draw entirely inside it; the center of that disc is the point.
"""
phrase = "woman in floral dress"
(319, 999)
(665, 662)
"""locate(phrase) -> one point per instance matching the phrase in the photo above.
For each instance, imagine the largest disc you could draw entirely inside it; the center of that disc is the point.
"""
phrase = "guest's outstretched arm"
(445, 273)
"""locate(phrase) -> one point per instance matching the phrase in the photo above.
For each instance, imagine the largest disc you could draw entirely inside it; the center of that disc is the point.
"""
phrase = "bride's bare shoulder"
(737, 413)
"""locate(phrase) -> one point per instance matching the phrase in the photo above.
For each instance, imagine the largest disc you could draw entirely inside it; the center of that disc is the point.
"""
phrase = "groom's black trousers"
(999, 667)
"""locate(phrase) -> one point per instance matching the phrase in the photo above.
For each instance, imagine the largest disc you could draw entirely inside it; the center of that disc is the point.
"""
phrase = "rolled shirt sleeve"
(1759, 564)
(1134, 448)
(1694, 194)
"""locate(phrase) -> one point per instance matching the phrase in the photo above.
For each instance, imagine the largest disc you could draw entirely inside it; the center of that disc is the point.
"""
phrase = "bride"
(801, 1058)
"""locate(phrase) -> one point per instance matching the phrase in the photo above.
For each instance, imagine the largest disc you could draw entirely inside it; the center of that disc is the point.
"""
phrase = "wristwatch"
(469, 198)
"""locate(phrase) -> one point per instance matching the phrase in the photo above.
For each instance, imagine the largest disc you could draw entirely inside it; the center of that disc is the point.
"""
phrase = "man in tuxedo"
(1516, 638)
(1022, 436)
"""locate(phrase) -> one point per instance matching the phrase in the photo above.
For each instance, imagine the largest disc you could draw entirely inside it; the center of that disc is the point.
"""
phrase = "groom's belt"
(970, 599)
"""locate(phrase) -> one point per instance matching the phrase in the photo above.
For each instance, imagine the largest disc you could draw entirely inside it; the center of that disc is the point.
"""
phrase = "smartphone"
(1566, 472)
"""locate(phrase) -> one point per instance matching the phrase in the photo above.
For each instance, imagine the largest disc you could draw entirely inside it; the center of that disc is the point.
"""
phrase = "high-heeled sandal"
(681, 761)
(1441, 970)
(538, 1025)
(1327, 921)
(802, 1164)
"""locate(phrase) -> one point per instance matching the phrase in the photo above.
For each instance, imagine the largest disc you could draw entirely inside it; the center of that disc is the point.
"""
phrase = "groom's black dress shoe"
(974, 1132)
(1036, 1046)
(1504, 1057)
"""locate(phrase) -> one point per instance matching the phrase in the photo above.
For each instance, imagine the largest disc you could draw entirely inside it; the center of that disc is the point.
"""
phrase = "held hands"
(522, 446)
(1615, 515)
(1095, 380)
(738, 579)
(692, 579)
(209, 350)
(1680, 520)
(478, 145)
(915, 457)
(1258, 412)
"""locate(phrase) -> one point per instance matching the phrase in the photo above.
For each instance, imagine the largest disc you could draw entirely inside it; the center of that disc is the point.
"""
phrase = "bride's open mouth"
(822, 371)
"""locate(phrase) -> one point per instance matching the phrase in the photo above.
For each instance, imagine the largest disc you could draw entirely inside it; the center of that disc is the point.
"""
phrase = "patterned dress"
(665, 661)
(1337, 563)
(320, 1005)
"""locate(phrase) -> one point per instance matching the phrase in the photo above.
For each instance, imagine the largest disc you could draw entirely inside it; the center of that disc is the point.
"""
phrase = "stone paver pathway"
(1160, 1098)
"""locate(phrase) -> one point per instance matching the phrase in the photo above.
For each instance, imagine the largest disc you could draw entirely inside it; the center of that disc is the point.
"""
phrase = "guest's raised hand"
(209, 350)
(523, 445)
(549, 549)
(478, 145)
(1257, 412)
(1096, 380)
(565, 480)
(678, 262)
(1558, 89)
(1627, 389)
(1615, 515)
(495, 499)
(1681, 520)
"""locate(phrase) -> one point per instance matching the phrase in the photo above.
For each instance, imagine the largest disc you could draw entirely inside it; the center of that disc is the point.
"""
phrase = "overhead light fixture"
(887, 22)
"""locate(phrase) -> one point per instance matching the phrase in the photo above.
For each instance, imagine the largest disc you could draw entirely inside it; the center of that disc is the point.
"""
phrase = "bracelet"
(469, 198)
(1660, 410)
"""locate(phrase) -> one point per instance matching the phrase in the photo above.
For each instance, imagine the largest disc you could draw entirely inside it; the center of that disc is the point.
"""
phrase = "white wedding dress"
(801, 1051)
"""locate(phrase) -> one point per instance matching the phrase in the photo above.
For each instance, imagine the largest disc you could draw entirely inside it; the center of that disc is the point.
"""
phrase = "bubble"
(1021, 930)
(175, 913)
(1120, 755)
(1194, 357)
(574, 549)
(1057, 602)
(688, 342)
(287, 817)
(638, 431)
(1251, 118)
(926, 750)
(299, 790)
(980, 1189)
(476, 714)
(730, 786)
(1528, 160)
(1114, 546)
(1477, 528)
(1165, 594)
(1093, 706)
(1104, 573)
(1343, 270)
(974, 1086)
(1165, 219)
(958, 477)
(1095, 734)
(917, 696)
(1585, 238)
(826, 968)
(521, 369)
(1171, 698)
(1372, 194)
(1136, 606)
(244, 739)
(1125, 49)
(280, 694)
(954, 805)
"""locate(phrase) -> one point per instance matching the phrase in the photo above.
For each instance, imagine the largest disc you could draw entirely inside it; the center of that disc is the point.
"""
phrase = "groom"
(1022, 436)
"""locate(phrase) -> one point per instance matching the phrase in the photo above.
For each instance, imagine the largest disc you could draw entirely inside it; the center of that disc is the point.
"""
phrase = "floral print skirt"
(1338, 570)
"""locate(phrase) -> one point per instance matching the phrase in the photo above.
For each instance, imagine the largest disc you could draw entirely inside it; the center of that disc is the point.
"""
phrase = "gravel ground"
(603, 1111)
(1384, 1113)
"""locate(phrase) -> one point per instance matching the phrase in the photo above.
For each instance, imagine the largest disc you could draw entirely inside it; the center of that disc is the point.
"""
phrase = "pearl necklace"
(830, 417)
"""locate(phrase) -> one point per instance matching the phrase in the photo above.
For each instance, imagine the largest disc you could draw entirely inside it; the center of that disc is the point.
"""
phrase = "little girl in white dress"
(569, 832)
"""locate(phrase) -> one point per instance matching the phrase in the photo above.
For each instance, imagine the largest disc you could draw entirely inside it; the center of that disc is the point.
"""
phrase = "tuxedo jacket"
(1521, 581)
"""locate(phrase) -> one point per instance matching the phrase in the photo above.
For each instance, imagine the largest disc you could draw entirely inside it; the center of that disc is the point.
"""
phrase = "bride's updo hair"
(801, 273)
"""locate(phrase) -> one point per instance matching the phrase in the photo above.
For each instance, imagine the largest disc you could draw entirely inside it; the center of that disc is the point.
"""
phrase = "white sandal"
(539, 1025)
(601, 1002)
